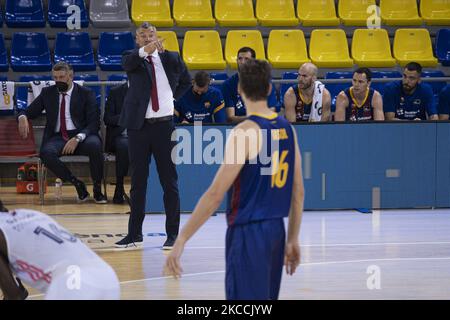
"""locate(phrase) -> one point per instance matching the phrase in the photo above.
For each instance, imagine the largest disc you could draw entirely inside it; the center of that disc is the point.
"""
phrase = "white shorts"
(84, 282)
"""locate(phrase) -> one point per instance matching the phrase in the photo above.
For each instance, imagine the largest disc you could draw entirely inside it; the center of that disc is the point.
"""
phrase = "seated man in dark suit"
(73, 122)
(117, 137)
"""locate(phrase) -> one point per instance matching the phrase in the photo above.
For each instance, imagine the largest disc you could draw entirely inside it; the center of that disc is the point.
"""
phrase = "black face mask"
(61, 86)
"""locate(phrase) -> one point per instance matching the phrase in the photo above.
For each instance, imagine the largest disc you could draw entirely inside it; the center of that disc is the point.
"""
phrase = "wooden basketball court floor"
(389, 254)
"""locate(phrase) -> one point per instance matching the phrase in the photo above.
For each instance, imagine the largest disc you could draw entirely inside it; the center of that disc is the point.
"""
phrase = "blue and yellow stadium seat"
(203, 50)
(170, 40)
(317, 13)
(413, 45)
(235, 13)
(371, 48)
(435, 12)
(329, 48)
(355, 12)
(193, 13)
(76, 49)
(237, 39)
(276, 13)
(443, 46)
(287, 48)
(24, 14)
(30, 52)
(157, 12)
(399, 13)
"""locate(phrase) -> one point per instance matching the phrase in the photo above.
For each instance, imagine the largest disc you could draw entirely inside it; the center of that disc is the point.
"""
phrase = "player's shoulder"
(425, 88)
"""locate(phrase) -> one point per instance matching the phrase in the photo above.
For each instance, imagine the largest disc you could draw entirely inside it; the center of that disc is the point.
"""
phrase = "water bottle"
(58, 189)
(21, 175)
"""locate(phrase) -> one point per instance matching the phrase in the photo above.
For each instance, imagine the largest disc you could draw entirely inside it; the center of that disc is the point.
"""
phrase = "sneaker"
(118, 196)
(100, 197)
(168, 245)
(129, 243)
(83, 194)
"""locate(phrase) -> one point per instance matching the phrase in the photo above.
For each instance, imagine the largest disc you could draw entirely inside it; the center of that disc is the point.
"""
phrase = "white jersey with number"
(41, 251)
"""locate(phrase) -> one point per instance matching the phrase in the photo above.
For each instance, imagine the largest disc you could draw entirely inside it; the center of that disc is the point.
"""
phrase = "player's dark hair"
(202, 79)
(414, 66)
(254, 79)
(247, 49)
(366, 71)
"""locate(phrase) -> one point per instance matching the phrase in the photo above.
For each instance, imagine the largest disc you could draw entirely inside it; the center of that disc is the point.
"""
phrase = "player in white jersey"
(35, 249)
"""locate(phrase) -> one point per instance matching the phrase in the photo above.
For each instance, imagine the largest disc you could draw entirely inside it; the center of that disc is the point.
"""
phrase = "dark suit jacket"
(139, 76)
(83, 110)
(113, 107)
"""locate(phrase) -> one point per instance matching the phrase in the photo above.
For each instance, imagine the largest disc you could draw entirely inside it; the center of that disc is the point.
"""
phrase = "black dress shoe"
(82, 192)
(119, 196)
(130, 242)
(100, 197)
(168, 245)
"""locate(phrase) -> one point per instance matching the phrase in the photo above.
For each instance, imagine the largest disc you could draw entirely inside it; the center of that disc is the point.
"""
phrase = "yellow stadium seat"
(287, 48)
(413, 45)
(399, 12)
(276, 13)
(235, 13)
(354, 12)
(317, 13)
(157, 12)
(237, 39)
(193, 13)
(371, 48)
(170, 40)
(203, 50)
(329, 48)
(435, 12)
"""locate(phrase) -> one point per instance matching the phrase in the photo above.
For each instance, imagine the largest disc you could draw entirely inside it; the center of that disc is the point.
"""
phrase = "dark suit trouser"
(122, 158)
(153, 139)
(91, 147)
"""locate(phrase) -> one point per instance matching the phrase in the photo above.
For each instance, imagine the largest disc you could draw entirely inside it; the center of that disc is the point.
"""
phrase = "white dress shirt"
(165, 94)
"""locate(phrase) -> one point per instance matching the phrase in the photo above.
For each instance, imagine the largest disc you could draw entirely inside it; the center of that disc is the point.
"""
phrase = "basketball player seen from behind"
(262, 193)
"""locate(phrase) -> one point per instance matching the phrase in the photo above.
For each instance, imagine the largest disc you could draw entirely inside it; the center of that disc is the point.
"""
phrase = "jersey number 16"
(280, 169)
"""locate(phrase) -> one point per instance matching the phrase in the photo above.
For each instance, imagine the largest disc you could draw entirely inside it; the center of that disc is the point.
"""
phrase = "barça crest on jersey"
(207, 104)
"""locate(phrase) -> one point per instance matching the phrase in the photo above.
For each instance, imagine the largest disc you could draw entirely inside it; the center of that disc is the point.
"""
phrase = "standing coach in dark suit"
(156, 78)
(73, 122)
(117, 137)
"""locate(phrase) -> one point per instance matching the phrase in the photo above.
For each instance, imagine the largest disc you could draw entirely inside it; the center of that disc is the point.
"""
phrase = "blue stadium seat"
(76, 49)
(24, 14)
(116, 77)
(285, 86)
(57, 13)
(3, 58)
(379, 86)
(3, 78)
(218, 76)
(22, 92)
(443, 46)
(335, 88)
(96, 89)
(1, 18)
(30, 52)
(437, 86)
(111, 45)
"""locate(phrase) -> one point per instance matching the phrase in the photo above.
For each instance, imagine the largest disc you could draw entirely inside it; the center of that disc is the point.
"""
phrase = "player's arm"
(232, 117)
(8, 285)
(326, 106)
(432, 113)
(236, 152)
(292, 252)
(341, 105)
(377, 104)
(289, 105)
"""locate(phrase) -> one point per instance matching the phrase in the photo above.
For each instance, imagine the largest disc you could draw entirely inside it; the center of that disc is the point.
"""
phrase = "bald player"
(308, 100)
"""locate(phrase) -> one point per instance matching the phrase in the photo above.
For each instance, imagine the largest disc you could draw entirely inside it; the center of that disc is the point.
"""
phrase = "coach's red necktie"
(154, 90)
(62, 118)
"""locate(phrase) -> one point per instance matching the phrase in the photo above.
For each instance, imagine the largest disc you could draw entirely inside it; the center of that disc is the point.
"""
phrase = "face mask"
(61, 86)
